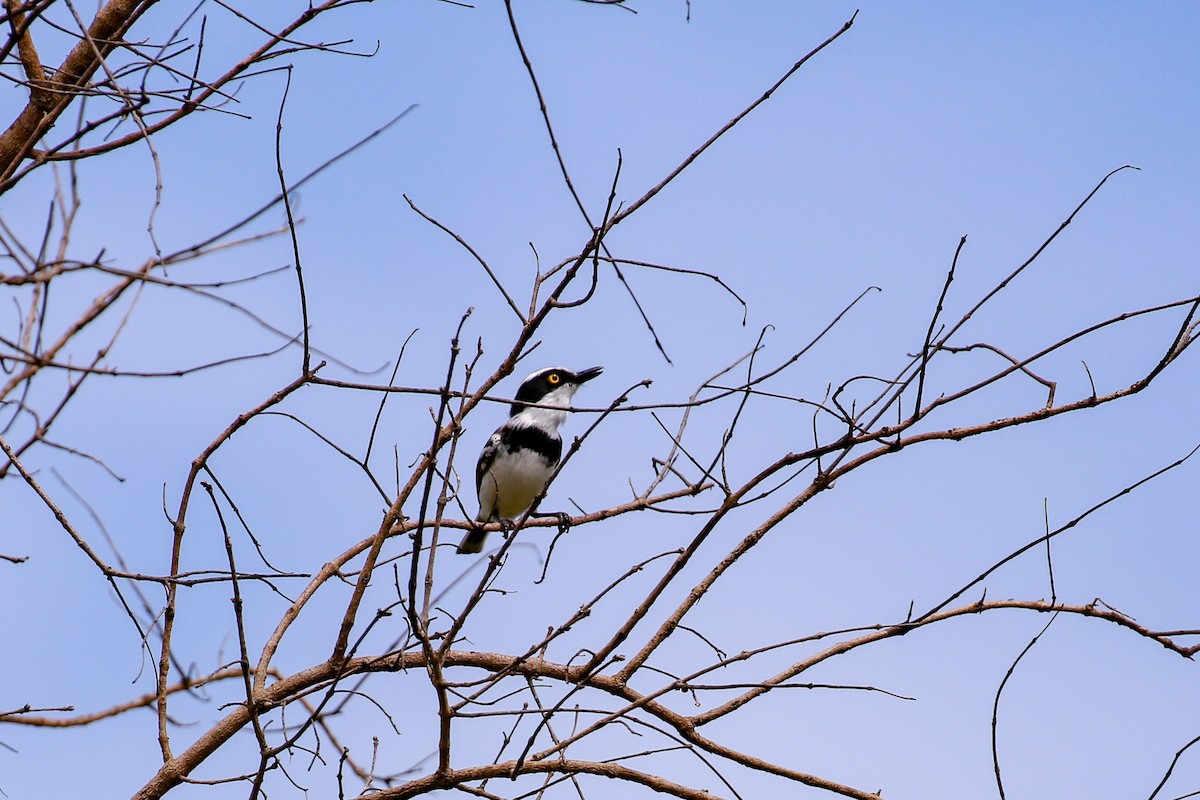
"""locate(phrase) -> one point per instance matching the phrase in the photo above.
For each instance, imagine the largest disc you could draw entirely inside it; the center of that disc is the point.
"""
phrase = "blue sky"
(922, 124)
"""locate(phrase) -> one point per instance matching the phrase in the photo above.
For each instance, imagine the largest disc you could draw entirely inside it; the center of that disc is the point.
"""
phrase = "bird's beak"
(586, 375)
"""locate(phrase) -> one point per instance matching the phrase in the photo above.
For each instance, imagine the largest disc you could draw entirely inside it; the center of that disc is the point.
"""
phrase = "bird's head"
(552, 386)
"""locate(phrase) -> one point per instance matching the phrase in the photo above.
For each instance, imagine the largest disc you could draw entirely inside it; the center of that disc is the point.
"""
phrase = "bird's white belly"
(513, 482)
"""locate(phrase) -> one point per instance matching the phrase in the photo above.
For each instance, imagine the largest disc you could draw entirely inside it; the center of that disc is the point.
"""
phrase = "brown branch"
(606, 769)
(996, 704)
(1050, 534)
(1050, 385)
(100, 304)
(492, 275)
(999, 287)
(144, 701)
(668, 626)
(1090, 610)
(178, 525)
(39, 116)
(31, 62)
(645, 198)
(58, 513)
(926, 353)
(96, 43)
(266, 697)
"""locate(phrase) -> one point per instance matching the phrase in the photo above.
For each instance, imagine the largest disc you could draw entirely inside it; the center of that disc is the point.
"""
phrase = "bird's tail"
(473, 541)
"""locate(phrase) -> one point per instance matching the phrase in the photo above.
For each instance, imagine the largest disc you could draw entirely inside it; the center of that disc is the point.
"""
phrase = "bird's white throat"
(548, 419)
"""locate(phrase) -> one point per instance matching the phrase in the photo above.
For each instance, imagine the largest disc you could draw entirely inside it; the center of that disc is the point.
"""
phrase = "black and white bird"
(517, 462)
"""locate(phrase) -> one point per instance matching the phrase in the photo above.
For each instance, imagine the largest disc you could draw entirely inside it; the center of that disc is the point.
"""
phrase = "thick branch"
(39, 116)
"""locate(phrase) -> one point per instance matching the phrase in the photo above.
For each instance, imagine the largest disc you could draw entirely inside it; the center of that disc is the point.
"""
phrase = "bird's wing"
(487, 457)
(485, 486)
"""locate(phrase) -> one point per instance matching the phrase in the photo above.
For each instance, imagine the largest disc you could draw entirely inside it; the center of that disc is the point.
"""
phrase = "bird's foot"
(564, 519)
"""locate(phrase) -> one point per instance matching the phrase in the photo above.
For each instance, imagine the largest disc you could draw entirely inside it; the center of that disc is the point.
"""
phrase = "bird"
(519, 458)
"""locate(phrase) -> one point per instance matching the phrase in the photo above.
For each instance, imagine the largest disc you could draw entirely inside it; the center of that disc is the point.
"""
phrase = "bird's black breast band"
(535, 439)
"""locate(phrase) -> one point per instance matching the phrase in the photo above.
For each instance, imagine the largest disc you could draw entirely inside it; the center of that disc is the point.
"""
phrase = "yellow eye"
(553, 378)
